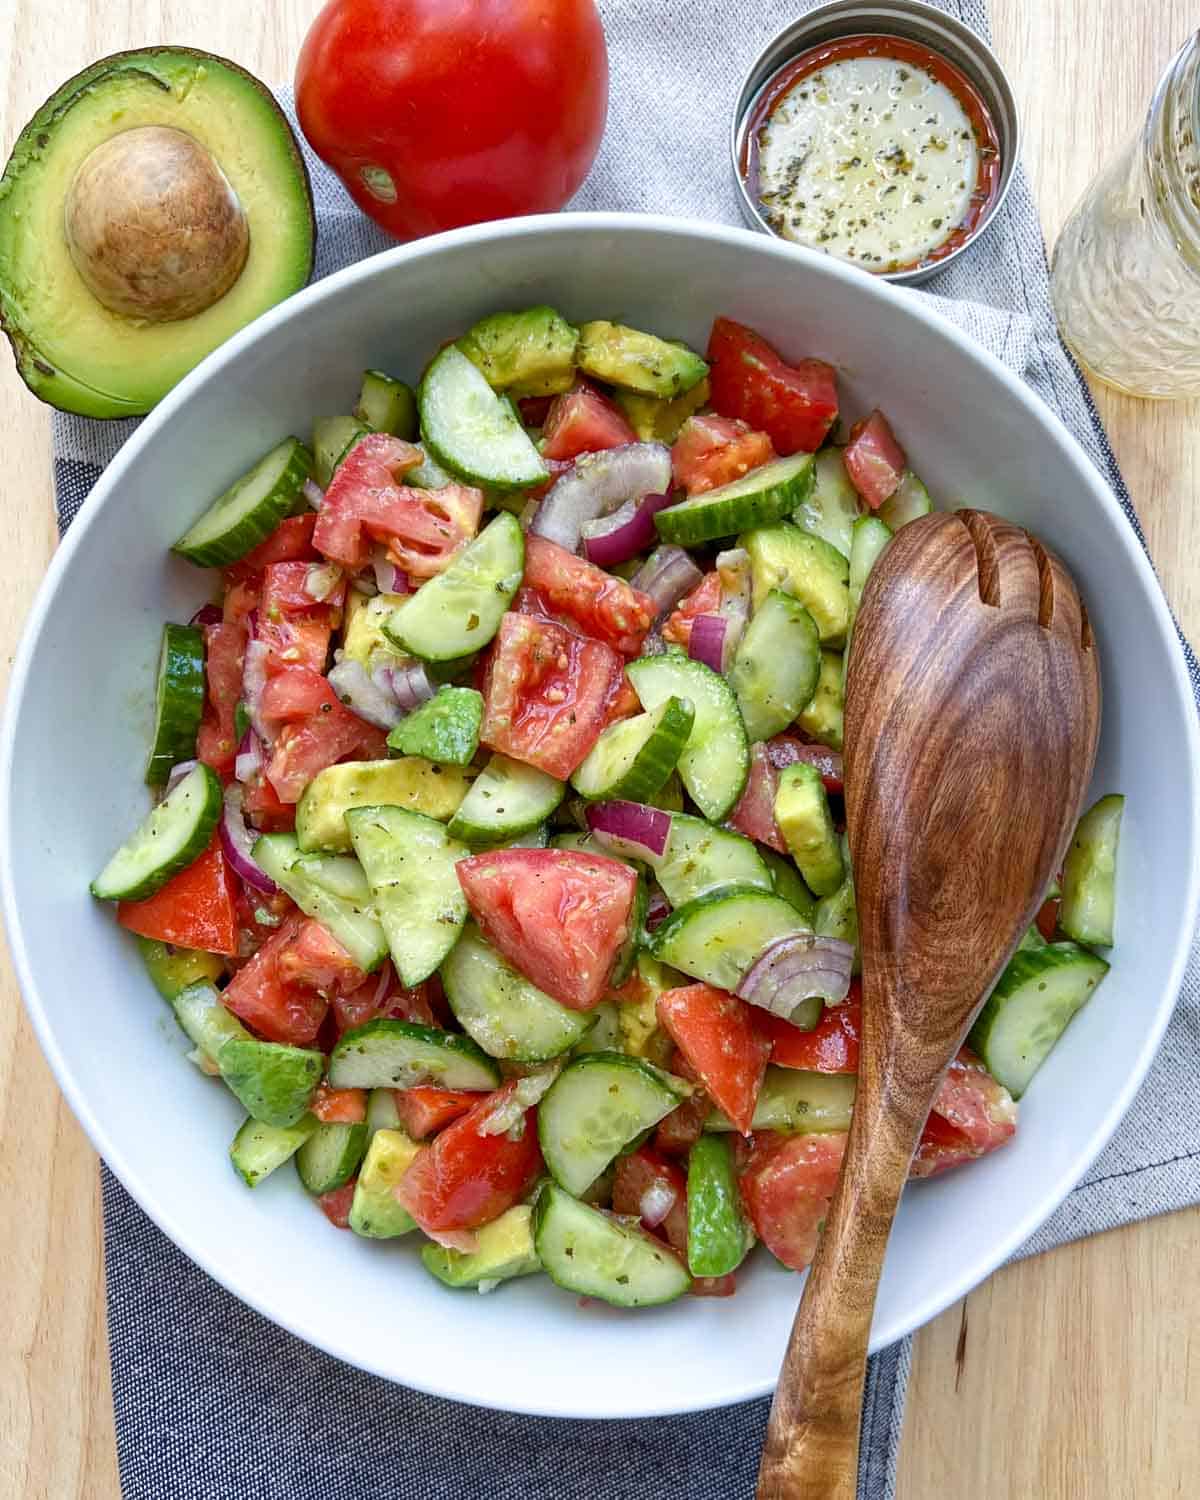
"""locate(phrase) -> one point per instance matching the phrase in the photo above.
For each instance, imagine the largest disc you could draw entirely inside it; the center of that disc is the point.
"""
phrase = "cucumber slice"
(501, 1010)
(331, 1155)
(333, 437)
(382, 1113)
(1030, 1008)
(823, 719)
(718, 1236)
(471, 430)
(909, 503)
(787, 883)
(401, 1054)
(633, 758)
(205, 1021)
(831, 507)
(174, 970)
(258, 1149)
(429, 475)
(594, 1255)
(802, 812)
(387, 405)
(837, 915)
(604, 1034)
(409, 863)
(799, 1103)
(174, 834)
(178, 701)
(716, 760)
(777, 665)
(1090, 874)
(784, 557)
(374, 1212)
(765, 495)
(504, 1251)
(507, 798)
(718, 936)
(444, 730)
(867, 546)
(627, 953)
(250, 509)
(330, 887)
(275, 1082)
(599, 1103)
(460, 610)
(700, 858)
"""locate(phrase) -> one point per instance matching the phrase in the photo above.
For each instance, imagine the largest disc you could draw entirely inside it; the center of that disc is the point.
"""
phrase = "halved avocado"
(104, 318)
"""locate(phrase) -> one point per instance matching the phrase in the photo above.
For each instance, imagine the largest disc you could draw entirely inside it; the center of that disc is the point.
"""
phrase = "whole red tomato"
(436, 113)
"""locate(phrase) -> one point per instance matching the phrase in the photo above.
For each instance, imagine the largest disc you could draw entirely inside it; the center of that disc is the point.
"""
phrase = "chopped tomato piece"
(336, 1204)
(602, 605)
(425, 1110)
(295, 627)
(423, 529)
(786, 750)
(972, 1115)
(718, 1035)
(262, 806)
(874, 460)
(649, 1187)
(713, 1286)
(786, 1190)
(754, 814)
(830, 1047)
(241, 600)
(254, 906)
(705, 599)
(307, 744)
(195, 909)
(273, 1007)
(795, 405)
(558, 916)
(583, 421)
(679, 1131)
(711, 451)
(340, 1106)
(291, 541)
(546, 693)
(225, 654)
(286, 590)
(624, 703)
(466, 1177)
(535, 409)
(1047, 917)
(315, 957)
(380, 995)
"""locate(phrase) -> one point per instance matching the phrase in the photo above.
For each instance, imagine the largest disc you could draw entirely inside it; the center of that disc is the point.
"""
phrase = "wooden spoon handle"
(811, 1451)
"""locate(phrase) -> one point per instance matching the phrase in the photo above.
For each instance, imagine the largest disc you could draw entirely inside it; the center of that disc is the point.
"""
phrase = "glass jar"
(1125, 279)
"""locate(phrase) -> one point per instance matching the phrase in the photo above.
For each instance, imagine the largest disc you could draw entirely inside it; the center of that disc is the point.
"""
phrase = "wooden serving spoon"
(972, 713)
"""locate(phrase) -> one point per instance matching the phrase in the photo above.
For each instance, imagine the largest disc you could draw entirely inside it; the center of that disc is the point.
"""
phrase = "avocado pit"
(153, 226)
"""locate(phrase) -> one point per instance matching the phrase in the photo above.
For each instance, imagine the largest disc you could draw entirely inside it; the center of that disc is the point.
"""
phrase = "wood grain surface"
(1073, 1376)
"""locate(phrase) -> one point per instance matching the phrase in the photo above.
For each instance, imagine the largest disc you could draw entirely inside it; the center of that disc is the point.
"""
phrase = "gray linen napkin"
(213, 1402)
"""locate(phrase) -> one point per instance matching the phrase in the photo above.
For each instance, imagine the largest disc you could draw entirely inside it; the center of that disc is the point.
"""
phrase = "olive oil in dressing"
(870, 159)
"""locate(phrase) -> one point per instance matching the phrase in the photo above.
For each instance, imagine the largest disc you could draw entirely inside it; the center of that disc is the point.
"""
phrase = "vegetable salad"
(497, 860)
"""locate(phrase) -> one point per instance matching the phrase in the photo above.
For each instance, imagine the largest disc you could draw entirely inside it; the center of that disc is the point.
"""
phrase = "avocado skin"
(49, 383)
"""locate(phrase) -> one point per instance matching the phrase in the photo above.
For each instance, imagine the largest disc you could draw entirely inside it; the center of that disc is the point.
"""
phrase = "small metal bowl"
(915, 21)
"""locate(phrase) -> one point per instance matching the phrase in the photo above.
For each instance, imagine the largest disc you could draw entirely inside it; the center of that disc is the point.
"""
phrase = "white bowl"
(75, 742)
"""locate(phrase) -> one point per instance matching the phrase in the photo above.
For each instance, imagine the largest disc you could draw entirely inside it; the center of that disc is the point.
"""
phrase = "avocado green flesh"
(70, 349)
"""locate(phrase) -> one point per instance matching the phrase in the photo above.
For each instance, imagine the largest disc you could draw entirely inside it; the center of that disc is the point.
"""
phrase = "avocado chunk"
(822, 719)
(658, 421)
(363, 639)
(375, 1213)
(446, 729)
(505, 1251)
(802, 812)
(805, 566)
(172, 970)
(420, 785)
(638, 361)
(275, 1082)
(836, 916)
(530, 353)
(104, 320)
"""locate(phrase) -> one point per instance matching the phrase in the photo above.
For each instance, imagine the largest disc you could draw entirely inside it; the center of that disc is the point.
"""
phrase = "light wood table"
(1069, 1377)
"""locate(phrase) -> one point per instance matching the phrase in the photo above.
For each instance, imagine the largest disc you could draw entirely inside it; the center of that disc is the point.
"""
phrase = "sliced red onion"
(630, 828)
(206, 615)
(625, 533)
(254, 682)
(409, 684)
(706, 641)
(184, 768)
(237, 841)
(658, 909)
(313, 493)
(656, 1202)
(389, 579)
(322, 580)
(364, 695)
(386, 975)
(796, 968)
(509, 1112)
(667, 575)
(250, 757)
(597, 485)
